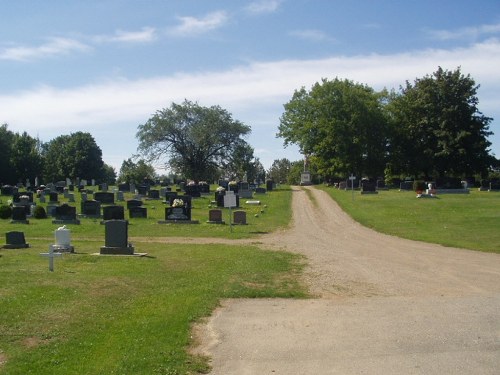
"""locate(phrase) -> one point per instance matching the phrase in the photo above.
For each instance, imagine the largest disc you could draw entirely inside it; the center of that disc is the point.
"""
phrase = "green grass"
(123, 315)
(470, 221)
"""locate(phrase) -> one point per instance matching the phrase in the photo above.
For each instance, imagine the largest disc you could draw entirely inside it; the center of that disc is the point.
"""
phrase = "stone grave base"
(178, 222)
(452, 191)
(216, 222)
(122, 255)
(16, 246)
(108, 250)
(76, 222)
(369, 192)
(63, 248)
(19, 221)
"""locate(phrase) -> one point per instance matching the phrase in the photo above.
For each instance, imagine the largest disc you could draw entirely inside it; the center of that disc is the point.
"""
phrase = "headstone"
(381, 185)
(154, 194)
(192, 190)
(260, 190)
(244, 191)
(62, 236)
(65, 214)
(131, 203)
(138, 212)
(116, 238)
(368, 187)
(204, 188)
(15, 240)
(19, 215)
(124, 187)
(53, 197)
(83, 196)
(269, 185)
(215, 217)
(113, 213)
(7, 190)
(119, 196)
(104, 197)
(142, 190)
(406, 185)
(240, 217)
(343, 185)
(91, 208)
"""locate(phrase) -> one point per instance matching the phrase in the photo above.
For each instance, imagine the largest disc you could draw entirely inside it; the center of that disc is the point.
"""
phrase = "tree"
(74, 155)
(197, 140)
(438, 129)
(279, 171)
(240, 162)
(136, 173)
(7, 175)
(108, 174)
(25, 157)
(341, 124)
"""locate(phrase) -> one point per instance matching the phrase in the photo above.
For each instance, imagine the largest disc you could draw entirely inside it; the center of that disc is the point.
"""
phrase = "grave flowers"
(178, 203)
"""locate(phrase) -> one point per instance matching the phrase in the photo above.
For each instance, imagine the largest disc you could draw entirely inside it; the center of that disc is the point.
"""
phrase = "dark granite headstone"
(133, 203)
(138, 212)
(104, 197)
(19, 215)
(113, 213)
(15, 240)
(116, 238)
(91, 208)
(239, 217)
(65, 214)
(215, 217)
(154, 194)
(53, 197)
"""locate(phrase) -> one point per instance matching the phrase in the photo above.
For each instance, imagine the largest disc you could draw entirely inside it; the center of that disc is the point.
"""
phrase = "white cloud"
(253, 93)
(146, 34)
(195, 26)
(467, 33)
(263, 6)
(53, 47)
(312, 35)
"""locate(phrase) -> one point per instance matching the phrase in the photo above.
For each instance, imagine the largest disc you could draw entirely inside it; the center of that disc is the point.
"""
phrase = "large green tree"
(341, 124)
(196, 140)
(7, 175)
(135, 172)
(74, 155)
(25, 157)
(437, 127)
(279, 170)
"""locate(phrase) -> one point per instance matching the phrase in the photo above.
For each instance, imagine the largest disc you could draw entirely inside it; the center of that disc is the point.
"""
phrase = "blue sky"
(105, 66)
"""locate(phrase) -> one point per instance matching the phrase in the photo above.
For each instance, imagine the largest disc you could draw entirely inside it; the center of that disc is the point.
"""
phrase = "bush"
(39, 212)
(5, 212)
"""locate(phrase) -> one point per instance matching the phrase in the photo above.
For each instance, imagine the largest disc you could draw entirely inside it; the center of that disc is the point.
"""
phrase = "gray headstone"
(116, 238)
(15, 240)
(239, 217)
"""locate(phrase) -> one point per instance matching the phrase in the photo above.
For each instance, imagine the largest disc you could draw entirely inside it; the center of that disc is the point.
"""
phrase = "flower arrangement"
(202, 183)
(220, 189)
(191, 183)
(24, 197)
(232, 183)
(178, 203)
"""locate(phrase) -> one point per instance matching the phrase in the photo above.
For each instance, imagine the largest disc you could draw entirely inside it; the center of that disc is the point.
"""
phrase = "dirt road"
(383, 306)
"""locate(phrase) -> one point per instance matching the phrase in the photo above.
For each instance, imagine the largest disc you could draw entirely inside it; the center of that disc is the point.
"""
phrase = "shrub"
(39, 212)
(5, 212)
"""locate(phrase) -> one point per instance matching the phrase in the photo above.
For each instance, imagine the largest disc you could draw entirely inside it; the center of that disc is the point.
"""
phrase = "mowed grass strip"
(470, 221)
(124, 315)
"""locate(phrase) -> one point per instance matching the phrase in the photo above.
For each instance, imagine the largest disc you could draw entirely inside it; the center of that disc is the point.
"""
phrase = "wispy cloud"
(253, 93)
(263, 6)
(312, 35)
(53, 47)
(190, 26)
(145, 35)
(466, 33)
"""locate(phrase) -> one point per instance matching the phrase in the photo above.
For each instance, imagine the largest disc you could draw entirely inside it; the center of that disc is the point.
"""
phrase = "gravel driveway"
(382, 305)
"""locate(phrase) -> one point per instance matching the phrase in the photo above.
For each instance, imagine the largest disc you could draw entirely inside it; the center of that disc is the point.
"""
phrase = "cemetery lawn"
(469, 221)
(133, 315)
(125, 315)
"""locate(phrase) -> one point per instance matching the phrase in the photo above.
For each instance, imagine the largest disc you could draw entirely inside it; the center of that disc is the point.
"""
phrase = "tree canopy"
(430, 128)
(196, 140)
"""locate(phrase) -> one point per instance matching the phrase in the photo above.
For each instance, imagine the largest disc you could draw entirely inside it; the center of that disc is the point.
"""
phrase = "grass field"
(470, 221)
(123, 315)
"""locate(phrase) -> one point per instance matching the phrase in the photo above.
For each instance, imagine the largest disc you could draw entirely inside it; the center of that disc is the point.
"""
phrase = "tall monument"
(305, 176)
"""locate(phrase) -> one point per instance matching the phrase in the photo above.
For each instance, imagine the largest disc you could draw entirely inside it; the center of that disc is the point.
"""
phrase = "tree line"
(430, 128)
(25, 157)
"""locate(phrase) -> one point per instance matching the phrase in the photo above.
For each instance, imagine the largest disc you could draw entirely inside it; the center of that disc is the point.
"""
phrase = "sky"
(106, 66)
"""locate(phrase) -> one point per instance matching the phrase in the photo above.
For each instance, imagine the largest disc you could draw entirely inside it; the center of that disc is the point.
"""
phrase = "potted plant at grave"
(178, 211)
(178, 203)
(233, 186)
